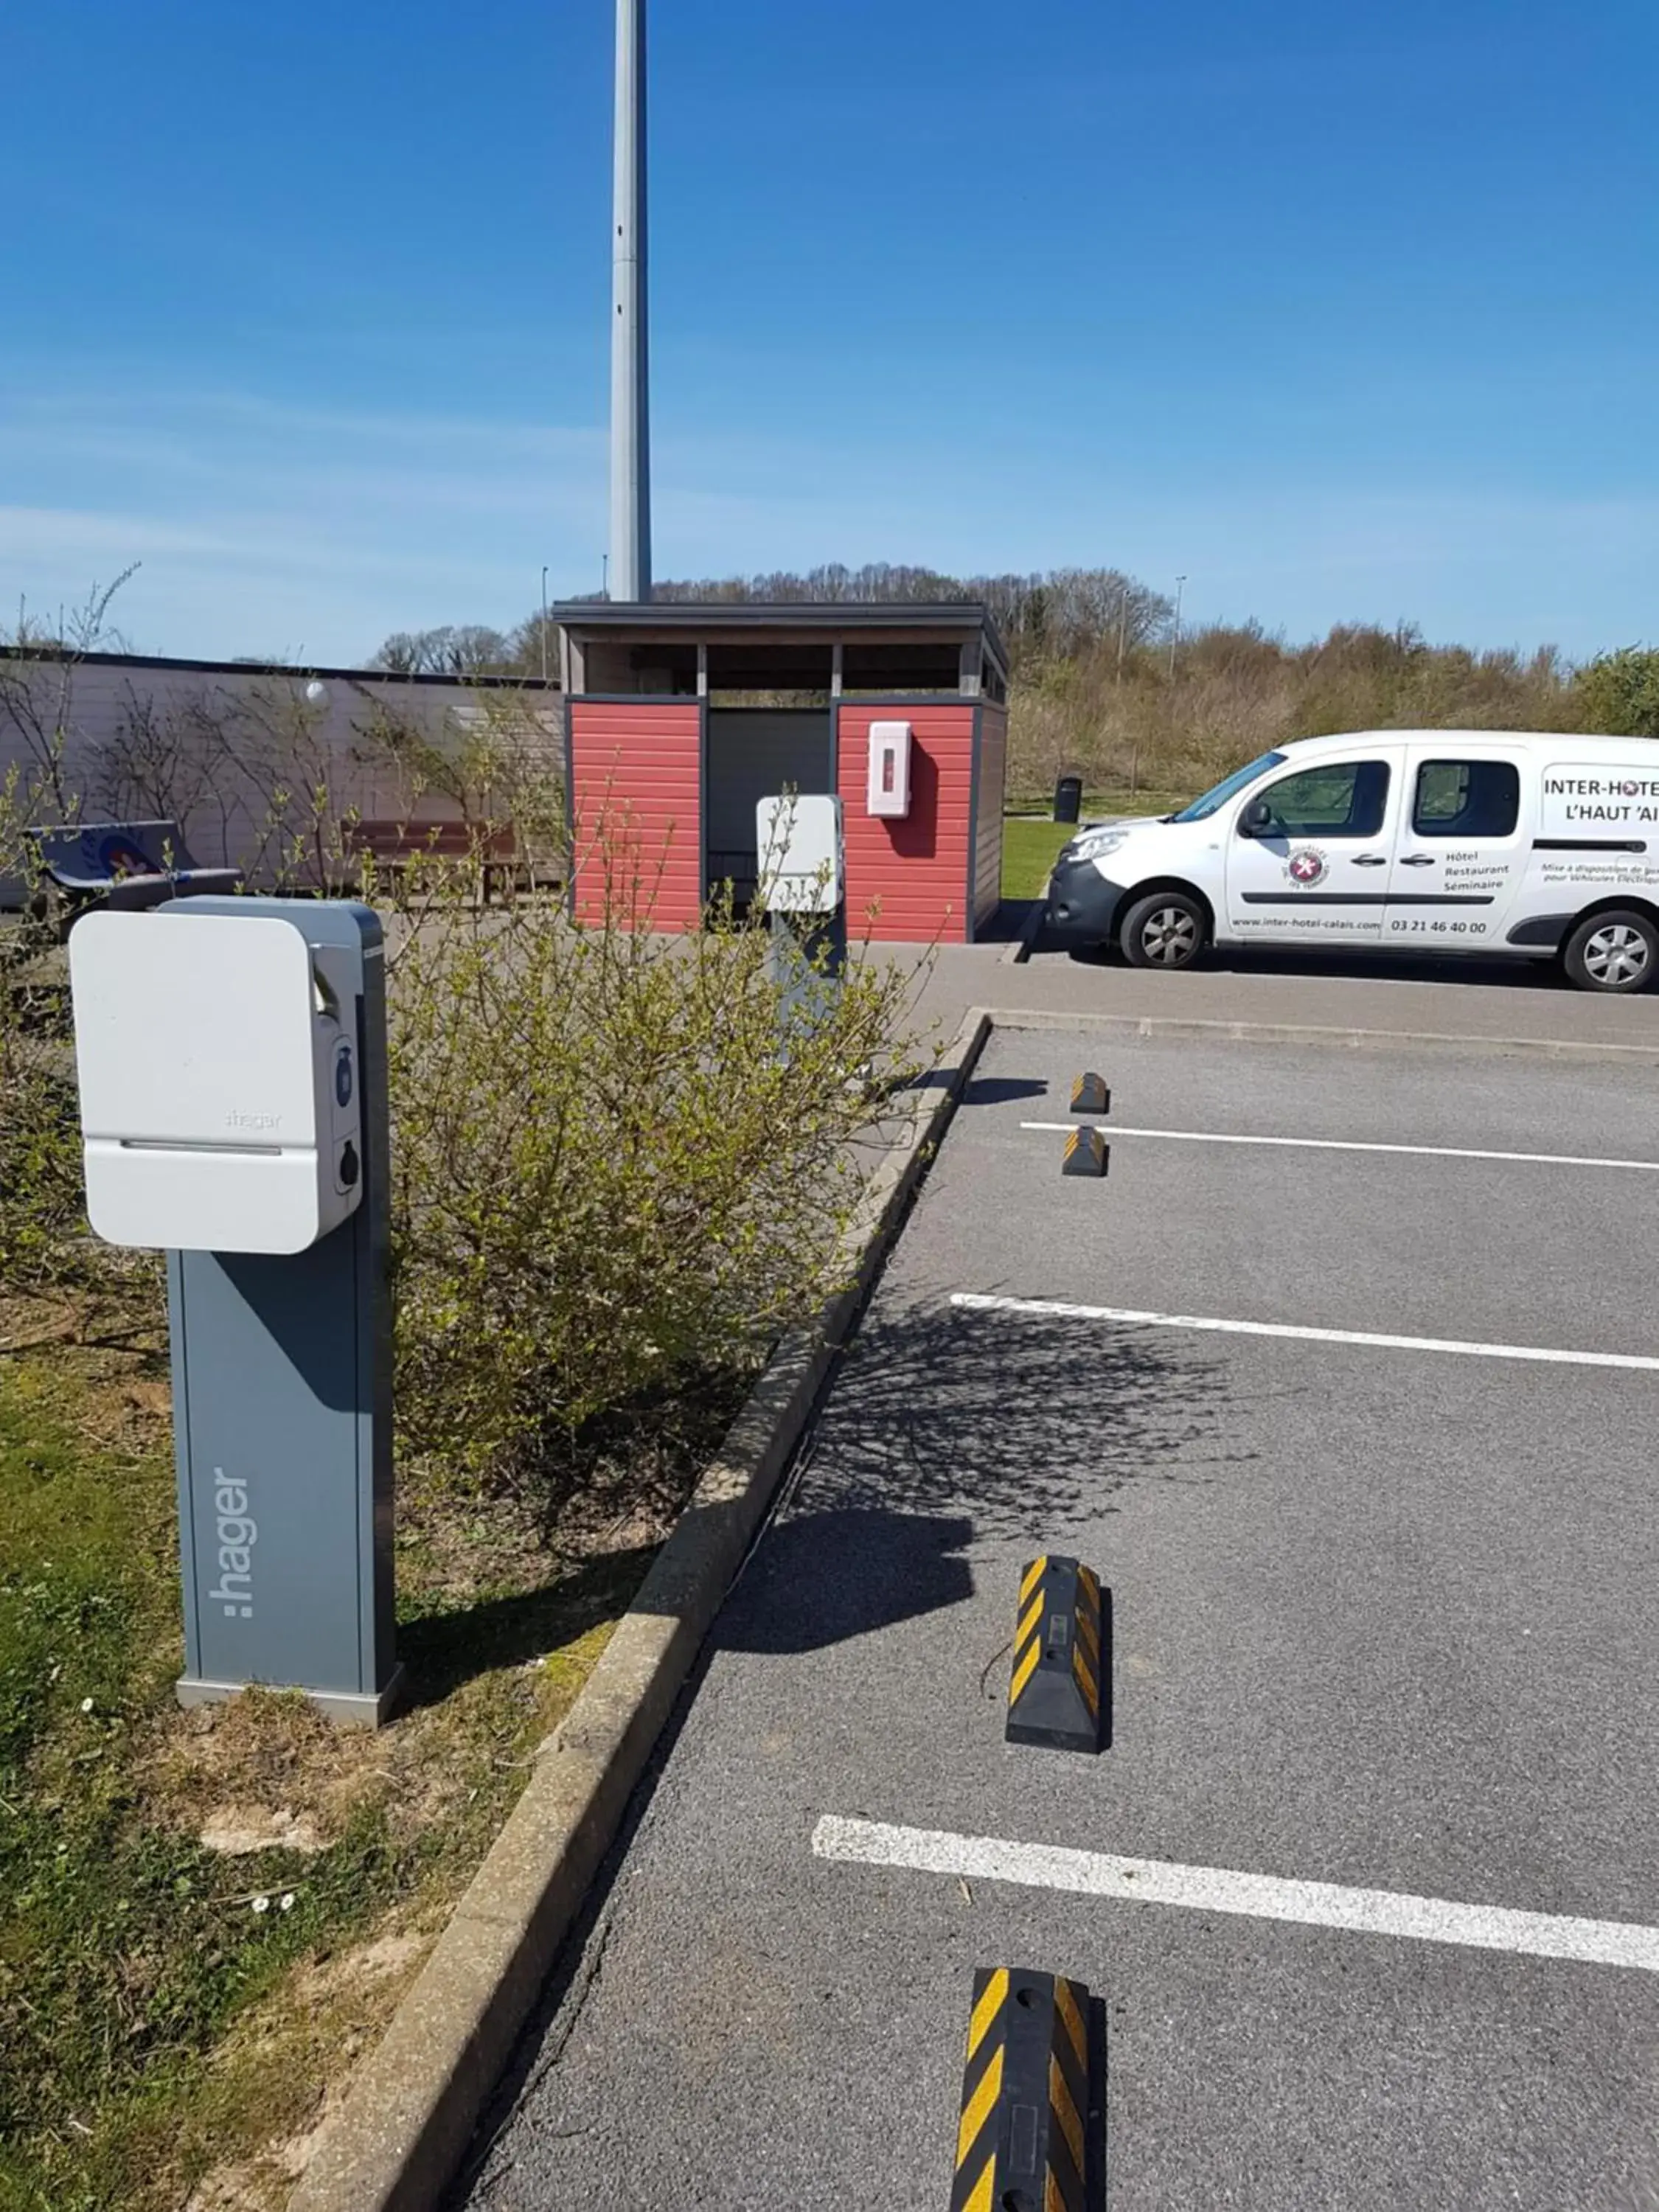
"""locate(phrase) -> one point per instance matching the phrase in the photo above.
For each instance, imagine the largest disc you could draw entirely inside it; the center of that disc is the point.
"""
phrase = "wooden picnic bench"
(394, 845)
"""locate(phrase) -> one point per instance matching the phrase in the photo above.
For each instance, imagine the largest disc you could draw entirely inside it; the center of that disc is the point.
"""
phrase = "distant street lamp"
(1175, 634)
(543, 622)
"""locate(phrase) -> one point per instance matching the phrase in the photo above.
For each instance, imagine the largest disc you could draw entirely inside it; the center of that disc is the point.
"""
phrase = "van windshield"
(1202, 808)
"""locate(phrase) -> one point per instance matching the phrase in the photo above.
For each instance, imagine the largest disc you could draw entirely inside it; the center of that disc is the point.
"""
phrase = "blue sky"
(1344, 310)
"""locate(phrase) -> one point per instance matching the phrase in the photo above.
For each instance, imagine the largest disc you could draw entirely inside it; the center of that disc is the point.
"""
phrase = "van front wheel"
(1616, 951)
(1167, 929)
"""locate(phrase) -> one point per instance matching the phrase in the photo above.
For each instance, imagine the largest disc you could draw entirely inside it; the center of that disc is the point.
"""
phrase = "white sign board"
(798, 838)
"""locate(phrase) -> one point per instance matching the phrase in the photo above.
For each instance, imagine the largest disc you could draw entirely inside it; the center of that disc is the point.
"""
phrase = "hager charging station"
(803, 871)
(231, 1054)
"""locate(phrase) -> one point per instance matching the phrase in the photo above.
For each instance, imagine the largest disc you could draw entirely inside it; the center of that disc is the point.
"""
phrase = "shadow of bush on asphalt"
(944, 1427)
(1021, 1421)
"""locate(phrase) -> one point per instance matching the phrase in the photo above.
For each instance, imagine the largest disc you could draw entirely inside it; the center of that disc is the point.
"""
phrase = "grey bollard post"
(806, 958)
(282, 1347)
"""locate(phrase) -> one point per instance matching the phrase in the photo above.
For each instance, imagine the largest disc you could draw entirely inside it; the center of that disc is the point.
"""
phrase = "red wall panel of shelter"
(916, 866)
(635, 768)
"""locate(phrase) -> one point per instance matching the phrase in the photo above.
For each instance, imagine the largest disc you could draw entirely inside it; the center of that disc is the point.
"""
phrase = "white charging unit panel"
(798, 839)
(889, 768)
(216, 1057)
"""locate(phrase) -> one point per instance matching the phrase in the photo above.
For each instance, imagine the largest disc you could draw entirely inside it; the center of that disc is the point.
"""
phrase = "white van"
(1539, 846)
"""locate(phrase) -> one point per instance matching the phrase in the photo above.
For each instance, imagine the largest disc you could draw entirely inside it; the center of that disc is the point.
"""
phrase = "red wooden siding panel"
(987, 841)
(917, 868)
(635, 789)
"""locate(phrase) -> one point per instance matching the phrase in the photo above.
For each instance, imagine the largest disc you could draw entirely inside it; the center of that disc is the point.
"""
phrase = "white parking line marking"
(1252, 1896)
(1058, 1309)
(1111, 1129)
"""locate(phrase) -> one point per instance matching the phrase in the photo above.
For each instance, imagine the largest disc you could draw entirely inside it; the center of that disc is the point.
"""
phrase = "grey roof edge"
(299, 671)
(849, 615)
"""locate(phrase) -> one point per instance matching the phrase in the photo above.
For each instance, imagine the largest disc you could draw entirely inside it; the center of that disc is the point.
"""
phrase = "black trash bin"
(1068, 797)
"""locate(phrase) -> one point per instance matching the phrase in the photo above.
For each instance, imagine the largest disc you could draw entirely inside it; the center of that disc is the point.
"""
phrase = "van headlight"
(1095, 844)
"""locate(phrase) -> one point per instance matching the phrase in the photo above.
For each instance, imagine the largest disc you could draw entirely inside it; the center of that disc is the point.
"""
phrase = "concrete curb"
(411, 2112)
(1214, 1032)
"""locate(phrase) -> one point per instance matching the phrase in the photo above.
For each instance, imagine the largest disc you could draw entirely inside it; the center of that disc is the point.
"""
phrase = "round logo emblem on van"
(1307, 868)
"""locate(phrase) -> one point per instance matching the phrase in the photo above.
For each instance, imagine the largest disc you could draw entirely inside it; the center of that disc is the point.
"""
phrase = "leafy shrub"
(1619, 692)
(41, 1200)
(609, 1182)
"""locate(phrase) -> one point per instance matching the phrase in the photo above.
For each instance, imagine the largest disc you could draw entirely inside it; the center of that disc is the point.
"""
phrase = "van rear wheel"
(1614, 952)
(1166, 929)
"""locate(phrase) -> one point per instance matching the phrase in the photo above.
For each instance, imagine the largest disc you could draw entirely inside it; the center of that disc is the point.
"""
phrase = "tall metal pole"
(631, 380)
(1175, 634)
(543, 622)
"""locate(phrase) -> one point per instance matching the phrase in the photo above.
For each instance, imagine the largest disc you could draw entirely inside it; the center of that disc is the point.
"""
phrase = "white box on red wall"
(889, 769)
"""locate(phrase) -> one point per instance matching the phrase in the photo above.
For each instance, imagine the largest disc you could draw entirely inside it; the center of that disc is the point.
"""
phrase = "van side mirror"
(1256, 819)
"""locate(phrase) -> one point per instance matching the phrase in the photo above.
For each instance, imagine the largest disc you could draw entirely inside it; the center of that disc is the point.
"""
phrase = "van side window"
(1346, 798)
(1466, 799)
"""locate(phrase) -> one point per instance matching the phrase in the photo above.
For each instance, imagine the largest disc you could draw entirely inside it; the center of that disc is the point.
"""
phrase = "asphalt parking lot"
(1355, 1424)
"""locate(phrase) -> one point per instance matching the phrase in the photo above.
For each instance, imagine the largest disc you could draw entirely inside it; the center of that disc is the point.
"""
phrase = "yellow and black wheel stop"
(1057, 1689)
(1090, 1095)
(1086, 1153)
(1021, 2144)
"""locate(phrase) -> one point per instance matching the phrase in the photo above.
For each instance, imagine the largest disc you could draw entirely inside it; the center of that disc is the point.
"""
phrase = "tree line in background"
(1102, 686)
(1063, 611)
(1102, 683)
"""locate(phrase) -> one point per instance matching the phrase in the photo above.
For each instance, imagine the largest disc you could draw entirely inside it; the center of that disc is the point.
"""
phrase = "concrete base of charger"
(348, 1708)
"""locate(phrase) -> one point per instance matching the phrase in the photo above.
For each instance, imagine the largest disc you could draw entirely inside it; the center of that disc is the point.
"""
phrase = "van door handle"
(1417, 860)
(1371, 859)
